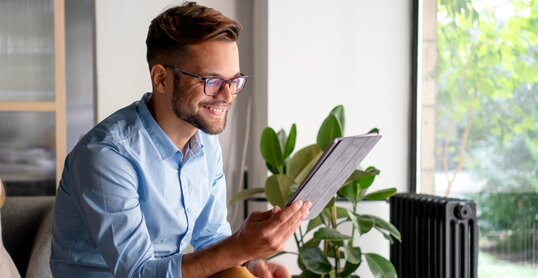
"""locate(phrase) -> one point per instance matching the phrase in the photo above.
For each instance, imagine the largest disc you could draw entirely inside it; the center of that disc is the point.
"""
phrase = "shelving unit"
(33, 92)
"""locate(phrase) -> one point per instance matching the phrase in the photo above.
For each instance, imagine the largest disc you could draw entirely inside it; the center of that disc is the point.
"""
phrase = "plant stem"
(353, 226)
(297, 241)
(302, 235)
(336, 251)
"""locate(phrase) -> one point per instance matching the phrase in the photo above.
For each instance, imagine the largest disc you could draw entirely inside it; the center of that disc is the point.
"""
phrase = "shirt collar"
(161, 141)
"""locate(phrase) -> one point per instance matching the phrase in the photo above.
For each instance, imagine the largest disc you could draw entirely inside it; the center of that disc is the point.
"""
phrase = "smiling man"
(148, 181)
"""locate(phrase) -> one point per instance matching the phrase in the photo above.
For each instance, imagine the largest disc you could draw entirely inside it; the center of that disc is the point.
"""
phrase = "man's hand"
(264, 234)
(263, 269)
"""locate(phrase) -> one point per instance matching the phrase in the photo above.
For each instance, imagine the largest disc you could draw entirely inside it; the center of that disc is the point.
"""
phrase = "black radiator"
(439, 236)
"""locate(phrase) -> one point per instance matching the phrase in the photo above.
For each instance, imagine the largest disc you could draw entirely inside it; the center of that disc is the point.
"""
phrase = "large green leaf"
(353, 254)
(384, 225)
(314, 260)
(247, 193)
(302, 162)
(271, 168)
(340, 212)
(290, 142)
(330, 129)
(380, 195)
(270, 147)
(330, 234)
(278, 189)
(362, 222)
(348, 269)
(380, 266)
(313, 242)
(353, 185)
(316, 221)
(365, 181)
(350, 190)
(338, 112)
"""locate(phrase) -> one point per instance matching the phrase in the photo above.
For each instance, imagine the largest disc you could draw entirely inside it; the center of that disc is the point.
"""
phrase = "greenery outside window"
(478, 121)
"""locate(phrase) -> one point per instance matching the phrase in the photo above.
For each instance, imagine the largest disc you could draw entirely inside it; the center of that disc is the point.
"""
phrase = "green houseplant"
(323, 251)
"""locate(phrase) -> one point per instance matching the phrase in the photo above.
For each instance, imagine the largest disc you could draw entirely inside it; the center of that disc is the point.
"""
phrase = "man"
(148, 181)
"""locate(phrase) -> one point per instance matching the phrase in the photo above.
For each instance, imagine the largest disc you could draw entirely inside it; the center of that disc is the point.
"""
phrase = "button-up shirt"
(129, 202)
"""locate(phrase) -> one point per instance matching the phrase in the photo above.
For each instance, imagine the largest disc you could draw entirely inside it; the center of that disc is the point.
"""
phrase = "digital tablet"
(334, 167)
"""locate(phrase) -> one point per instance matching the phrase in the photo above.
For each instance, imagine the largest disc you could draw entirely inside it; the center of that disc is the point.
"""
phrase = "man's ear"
(158, 75)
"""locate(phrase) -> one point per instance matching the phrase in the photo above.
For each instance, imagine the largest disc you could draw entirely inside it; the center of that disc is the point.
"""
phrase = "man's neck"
(179, 131)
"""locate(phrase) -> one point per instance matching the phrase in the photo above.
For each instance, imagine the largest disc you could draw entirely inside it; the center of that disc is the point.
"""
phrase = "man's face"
(189, 103)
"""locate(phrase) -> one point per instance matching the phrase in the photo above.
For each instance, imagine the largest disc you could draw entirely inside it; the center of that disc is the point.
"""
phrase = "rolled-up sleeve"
(106, 188)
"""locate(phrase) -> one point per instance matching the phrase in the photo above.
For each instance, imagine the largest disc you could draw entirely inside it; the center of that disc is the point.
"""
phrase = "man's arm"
(263, 234)
(104, 185)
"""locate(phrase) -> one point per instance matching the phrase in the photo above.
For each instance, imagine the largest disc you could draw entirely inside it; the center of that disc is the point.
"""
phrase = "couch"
(26, 233)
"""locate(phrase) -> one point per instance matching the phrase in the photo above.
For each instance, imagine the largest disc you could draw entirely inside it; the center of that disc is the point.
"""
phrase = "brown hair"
(178, 27)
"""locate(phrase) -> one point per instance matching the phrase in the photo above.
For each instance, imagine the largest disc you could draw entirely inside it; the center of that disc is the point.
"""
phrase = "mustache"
(216, 103)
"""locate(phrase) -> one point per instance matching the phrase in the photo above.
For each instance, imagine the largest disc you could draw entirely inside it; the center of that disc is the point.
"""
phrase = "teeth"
(215, 109)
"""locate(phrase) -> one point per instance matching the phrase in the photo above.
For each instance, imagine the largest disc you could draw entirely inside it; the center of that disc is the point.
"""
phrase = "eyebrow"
(214, 74)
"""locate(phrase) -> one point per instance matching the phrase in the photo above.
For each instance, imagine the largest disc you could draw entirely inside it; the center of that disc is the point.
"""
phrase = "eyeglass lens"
(213, 86)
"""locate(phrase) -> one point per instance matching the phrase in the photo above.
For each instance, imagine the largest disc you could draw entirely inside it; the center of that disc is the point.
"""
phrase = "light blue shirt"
(130, 202)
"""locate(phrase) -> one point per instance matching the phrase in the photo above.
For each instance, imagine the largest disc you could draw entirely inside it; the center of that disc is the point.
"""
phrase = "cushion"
(38, 265)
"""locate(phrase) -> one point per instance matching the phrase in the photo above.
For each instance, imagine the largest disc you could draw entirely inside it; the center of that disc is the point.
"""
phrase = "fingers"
(291, 224)
(260, 269)
(284, 215)
(293, 214)
(277, 270)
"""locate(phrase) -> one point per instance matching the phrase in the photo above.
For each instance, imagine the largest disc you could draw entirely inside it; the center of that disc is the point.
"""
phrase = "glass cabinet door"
(32, 95)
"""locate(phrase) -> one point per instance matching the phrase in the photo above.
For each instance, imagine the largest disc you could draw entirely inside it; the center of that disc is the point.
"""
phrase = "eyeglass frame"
(206, 79)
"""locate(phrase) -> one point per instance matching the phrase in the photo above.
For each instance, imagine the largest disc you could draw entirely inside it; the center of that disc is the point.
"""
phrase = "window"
(478, 108)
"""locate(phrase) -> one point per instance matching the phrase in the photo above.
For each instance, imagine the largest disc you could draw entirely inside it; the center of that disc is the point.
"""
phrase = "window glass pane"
(26, 50)
(27, 152)
(481, 67)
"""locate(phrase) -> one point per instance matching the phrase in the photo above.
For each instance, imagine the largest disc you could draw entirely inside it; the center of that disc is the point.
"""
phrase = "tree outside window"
(480, 83)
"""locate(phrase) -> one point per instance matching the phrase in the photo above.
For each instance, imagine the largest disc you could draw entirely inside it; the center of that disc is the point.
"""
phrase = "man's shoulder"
(117, 127)
(111, 133)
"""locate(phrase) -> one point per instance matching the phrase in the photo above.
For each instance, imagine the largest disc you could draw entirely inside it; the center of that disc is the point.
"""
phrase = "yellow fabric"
(235, 272)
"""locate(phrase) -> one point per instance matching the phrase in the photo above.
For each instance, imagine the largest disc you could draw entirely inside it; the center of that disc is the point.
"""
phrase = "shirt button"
(189, 211)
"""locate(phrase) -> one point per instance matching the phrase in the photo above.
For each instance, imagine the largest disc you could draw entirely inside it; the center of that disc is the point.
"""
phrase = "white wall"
(122, 70)
(356, 53)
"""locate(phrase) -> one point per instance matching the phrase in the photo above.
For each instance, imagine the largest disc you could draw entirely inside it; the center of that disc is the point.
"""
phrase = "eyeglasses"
(214, 85)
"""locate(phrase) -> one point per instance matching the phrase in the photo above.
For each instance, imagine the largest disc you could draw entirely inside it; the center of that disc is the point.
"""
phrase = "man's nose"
(226, 93)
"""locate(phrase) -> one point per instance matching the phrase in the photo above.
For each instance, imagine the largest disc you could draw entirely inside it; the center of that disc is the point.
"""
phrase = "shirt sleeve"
(212, 225)
(106, 189)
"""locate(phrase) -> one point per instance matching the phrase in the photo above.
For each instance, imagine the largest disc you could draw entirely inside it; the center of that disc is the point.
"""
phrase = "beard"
(193, 117)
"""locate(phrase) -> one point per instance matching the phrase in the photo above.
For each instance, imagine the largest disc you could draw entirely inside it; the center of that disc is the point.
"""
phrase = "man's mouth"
(216, 110)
